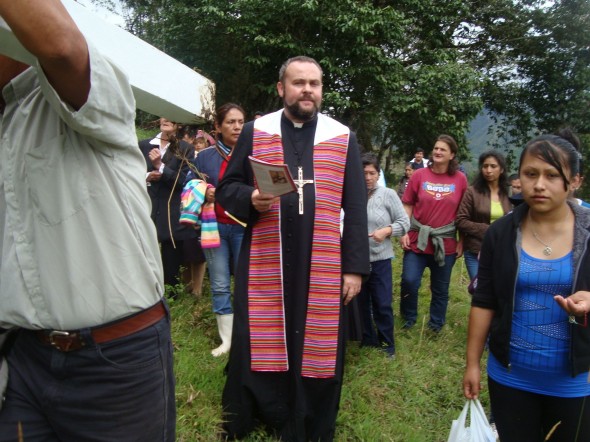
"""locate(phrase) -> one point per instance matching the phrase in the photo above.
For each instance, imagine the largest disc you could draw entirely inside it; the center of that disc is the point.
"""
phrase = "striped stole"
(265, 289)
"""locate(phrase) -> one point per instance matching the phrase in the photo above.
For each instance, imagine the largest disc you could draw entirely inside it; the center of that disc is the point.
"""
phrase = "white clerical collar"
(297, 125)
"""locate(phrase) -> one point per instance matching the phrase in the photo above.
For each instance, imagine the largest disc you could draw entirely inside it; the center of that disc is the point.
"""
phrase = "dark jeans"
(375, 301)
(122, 390)
(172, 260)
(440, 278)
(529, 417)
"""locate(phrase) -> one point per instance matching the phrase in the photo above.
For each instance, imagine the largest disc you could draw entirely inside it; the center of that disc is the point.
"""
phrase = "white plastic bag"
(479, 429)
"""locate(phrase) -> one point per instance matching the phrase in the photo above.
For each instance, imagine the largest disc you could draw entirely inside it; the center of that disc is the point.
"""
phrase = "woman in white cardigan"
(386, 218)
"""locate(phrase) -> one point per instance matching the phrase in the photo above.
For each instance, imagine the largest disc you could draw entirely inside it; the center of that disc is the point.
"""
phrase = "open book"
(272, 178)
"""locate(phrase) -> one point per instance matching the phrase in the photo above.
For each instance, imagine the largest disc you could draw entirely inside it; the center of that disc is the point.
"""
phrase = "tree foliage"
(542, 82)
(398, 72)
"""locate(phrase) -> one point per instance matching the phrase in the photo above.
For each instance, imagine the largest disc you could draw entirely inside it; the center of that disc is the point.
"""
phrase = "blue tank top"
(540, 340)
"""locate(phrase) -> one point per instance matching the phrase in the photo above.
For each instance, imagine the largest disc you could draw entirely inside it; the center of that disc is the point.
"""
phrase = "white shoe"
(224, 325)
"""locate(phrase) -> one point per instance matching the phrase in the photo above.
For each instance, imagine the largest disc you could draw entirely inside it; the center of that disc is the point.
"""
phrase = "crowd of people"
(438, 217)
(84, 268)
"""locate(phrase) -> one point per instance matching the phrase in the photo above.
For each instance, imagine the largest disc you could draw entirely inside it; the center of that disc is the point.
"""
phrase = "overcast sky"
(115, 18)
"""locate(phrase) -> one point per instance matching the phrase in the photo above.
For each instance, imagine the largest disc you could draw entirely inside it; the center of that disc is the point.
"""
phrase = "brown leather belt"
(73, 340)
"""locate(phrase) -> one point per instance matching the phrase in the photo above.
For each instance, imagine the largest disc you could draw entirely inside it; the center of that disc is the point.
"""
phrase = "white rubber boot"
(224, 325)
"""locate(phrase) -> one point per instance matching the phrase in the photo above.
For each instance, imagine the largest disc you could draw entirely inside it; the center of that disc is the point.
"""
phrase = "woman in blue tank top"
(531, 259)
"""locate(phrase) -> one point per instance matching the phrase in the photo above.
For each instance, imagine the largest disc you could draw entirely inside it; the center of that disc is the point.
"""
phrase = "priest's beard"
(301, 114)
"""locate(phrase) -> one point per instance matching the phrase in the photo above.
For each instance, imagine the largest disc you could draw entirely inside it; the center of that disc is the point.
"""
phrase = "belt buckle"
(61, 340)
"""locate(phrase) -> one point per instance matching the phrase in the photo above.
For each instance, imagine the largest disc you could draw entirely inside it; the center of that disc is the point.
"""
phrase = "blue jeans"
(375, 301)
(218, 263)
(471, 263)
(120, 390)
(440, 278)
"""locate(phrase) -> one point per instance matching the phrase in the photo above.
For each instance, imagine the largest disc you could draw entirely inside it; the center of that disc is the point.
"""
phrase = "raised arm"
(45, 29)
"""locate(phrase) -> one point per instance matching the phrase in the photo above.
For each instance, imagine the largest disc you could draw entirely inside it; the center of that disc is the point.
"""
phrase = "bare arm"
(405, 240)
(45, 29)
(479, 326)
(409, 210)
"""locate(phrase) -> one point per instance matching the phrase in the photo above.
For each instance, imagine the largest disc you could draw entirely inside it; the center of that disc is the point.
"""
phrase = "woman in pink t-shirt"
(431, 200)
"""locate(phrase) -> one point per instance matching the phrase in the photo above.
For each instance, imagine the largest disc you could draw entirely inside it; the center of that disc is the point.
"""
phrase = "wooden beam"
(171, 90)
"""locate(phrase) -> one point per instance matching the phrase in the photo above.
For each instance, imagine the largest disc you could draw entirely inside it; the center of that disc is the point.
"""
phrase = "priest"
(297, 269)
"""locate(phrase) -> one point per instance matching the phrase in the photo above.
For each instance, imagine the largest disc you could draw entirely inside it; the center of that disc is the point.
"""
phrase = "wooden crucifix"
(300, 182)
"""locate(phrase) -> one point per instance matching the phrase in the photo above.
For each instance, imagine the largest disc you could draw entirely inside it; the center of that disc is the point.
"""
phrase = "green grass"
(411, 398)
(143, 134)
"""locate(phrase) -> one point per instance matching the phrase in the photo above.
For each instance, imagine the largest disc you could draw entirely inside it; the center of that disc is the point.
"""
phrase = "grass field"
(411, 398)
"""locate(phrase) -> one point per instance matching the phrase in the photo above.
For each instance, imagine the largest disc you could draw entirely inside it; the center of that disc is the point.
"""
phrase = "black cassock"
(294, 407)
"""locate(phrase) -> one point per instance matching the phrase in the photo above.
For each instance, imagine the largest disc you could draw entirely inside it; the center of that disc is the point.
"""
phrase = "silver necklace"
(547, 250)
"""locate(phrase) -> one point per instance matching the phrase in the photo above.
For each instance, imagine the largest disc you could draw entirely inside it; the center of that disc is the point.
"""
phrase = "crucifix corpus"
(300, 182)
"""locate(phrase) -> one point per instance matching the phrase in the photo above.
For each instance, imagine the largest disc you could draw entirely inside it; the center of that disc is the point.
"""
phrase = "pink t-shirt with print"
(435, 198)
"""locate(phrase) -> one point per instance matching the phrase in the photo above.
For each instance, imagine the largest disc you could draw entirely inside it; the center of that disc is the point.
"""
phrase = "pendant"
(547, 251)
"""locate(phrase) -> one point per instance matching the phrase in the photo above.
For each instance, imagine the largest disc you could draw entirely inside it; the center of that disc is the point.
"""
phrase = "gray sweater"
(384, 208)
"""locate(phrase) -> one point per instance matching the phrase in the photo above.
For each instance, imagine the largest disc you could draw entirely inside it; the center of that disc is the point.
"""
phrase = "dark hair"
(556, 151)
(513, 177)
(173, 148)
(479, 182)
(222, 112)
(419, 150)
(369, 159)
(569, 135)
(299, 58)
(187, 129)
(453, 164)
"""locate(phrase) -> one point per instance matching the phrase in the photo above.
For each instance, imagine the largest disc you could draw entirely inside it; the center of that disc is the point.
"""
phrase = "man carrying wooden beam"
(88, 351)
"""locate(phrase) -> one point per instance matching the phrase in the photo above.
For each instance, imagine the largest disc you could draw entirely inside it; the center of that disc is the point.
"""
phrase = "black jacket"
(169, 188)
(497, 273)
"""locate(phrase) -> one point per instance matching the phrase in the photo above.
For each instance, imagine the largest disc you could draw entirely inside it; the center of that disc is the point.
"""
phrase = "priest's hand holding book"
(263, 201)
(272, 181)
